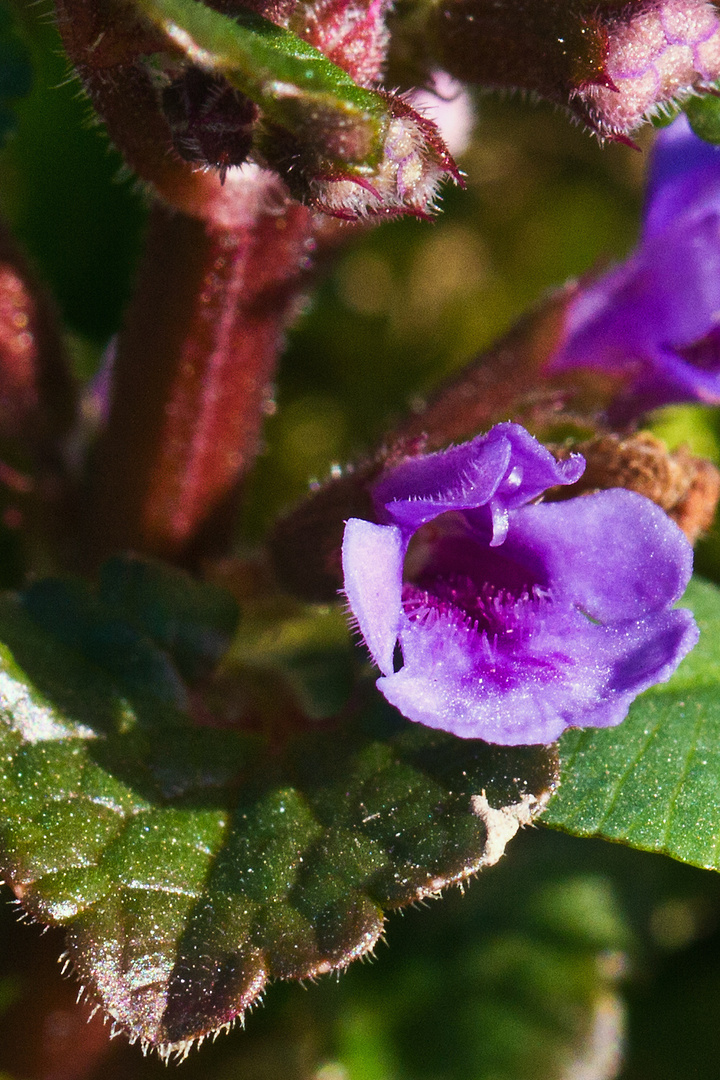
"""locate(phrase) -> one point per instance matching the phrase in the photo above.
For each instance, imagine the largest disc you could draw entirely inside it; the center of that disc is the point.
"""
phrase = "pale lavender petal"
(569, 673)
(372, 557)
(613, 554)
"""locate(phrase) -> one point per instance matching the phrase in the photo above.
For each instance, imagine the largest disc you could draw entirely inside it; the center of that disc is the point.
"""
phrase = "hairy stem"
(194, 366)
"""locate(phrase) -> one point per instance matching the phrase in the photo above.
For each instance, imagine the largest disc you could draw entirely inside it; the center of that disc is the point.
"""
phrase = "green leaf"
(192, 620)
(294, 83)
(190, 865)
(654, 781)
(308, 644)
(148, 624)
(704, 116)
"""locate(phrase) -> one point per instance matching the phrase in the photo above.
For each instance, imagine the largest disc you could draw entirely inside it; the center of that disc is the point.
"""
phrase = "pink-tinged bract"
(493, 616)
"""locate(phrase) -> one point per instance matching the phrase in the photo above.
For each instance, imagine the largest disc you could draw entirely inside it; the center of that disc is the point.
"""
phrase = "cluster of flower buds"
(297, 92)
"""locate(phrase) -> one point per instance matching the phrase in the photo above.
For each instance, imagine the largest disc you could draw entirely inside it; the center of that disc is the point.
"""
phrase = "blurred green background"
(570, 957)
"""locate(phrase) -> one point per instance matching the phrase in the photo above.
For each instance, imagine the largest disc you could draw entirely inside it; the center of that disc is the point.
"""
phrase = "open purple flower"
(495, 617)
(656, 318)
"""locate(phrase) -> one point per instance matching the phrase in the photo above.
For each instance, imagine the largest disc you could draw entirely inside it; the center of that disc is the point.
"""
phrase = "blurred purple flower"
(656, 318)
(514, 620)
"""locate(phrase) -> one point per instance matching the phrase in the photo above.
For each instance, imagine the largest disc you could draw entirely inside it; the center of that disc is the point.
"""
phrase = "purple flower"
(656, 318)
(496, 617)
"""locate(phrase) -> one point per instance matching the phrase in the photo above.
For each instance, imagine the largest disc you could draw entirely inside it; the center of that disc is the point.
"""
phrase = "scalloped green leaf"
(190, 865)
(307, 645)
(654, 781)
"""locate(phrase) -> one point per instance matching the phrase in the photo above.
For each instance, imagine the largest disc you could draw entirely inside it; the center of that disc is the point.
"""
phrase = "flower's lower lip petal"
(568, 673)
(650, 650)
(372, 558)
(512, 690)
(648, 653)
(614, 554)
(524, 721)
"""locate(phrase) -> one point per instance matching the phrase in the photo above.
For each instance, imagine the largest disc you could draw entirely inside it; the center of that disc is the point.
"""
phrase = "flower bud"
(413, 162)
(613, 66)
(351, 33)
(211, 122)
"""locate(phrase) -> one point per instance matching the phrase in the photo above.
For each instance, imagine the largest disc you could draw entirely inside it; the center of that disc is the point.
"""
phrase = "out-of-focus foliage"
(63, 191)
(704, 116)
(15, 72)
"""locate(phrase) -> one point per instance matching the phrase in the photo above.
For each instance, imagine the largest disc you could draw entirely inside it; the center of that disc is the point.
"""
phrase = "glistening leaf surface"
(189, 865)
(292, 81)
(654, 781)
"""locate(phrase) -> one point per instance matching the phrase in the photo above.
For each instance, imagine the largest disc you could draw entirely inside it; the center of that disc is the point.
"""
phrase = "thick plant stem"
(194, 365)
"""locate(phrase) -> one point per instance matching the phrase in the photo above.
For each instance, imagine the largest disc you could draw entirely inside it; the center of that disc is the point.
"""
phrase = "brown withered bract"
(686, 487)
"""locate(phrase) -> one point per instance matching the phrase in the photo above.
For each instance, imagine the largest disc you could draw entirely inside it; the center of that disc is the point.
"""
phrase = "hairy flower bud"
(658, 53)
(351, 33)
(405, 180)
(613, 65)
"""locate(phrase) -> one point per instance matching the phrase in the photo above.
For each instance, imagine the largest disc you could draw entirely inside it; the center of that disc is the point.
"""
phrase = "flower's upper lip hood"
(507, 466)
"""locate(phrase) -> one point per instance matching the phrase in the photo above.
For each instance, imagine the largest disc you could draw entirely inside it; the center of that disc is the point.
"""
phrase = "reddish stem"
(194, 365)
(218, 286)
(37, 396)
(37, 409)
